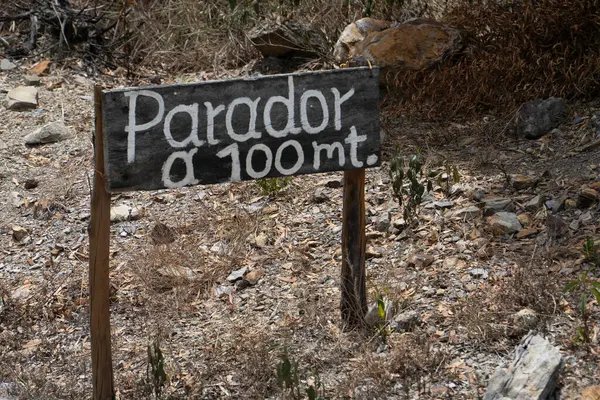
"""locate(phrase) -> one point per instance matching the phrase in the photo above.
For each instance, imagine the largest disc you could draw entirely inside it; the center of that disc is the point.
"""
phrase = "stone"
(590, 393)
(556, 226)
(532, 375)
(32, 80)
(382, 223)
(18, 233)
(22, 98)
(356, 32)
(537, 118)
(525, 319)
(334, 184)
(413, 45)
(9, 391)
(524, 219)
(261, 239)
(320, 196)
(7, 65)
(254, 276)
(124, 212)
(587, 197)
(521, 182)
(503, 223)
(570, 204)
(534, 204)
(49, 133)
(406, 321)
(288, 39)
(481, 273)
(31, 183)
(443, 204)
(374, 252)
(237, 274)
(467, 212)
(494, 205)
(420, 260)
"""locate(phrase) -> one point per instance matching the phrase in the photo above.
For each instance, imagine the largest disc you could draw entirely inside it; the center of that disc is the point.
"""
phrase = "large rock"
(22, 98)
(288, 39)
(49, 133)
(537, 118)
(356, 32)
(413, 45)
(504, 223)
(531, 376)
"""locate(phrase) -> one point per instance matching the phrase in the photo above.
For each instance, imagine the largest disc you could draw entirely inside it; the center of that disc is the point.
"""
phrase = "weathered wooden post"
(354, 293)
(99, 235)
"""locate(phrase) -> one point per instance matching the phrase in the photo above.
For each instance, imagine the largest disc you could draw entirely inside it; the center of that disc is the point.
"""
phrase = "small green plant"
(273, 186)
(288, 380)
(156, 367)
(383, 329)
(446, 177)
(584, 285)
(409, 184)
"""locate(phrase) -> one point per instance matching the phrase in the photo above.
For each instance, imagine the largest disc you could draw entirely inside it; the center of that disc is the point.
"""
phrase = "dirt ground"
(456, 288)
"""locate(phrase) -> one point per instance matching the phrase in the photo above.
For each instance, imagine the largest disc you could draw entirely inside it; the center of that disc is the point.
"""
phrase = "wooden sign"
(210, 132)
(173, 136)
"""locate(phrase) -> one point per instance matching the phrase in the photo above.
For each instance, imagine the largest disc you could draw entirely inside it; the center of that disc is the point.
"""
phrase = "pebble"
(7, 65)
(504, 223)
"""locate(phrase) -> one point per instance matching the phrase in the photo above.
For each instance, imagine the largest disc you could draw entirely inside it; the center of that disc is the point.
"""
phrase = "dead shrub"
(515, 51)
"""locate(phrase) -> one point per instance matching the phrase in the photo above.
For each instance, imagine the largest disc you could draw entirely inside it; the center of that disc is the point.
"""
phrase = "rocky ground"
(232, 283)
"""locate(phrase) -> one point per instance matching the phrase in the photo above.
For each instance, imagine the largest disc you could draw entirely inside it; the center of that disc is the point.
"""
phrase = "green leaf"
(381, 307)
(571, 285)
(455, 174)
(581, 334)
(583, 303)
(595, 284)
(596, 294)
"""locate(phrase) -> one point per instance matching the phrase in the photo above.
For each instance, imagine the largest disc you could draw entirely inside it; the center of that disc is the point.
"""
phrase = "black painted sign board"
(217, 131)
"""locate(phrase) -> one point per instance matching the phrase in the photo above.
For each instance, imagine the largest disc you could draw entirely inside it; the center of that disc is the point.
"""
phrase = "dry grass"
(515, 52)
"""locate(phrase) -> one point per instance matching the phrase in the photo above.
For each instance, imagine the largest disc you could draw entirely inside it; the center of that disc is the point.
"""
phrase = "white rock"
(49, 133)
(7, 65)
(22, 98)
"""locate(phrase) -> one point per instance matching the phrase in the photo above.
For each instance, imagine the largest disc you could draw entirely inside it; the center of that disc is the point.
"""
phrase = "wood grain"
(353, 278)
(152, 148)
(99, 236)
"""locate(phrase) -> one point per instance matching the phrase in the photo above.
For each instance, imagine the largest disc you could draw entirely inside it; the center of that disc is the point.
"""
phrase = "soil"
(454, 287)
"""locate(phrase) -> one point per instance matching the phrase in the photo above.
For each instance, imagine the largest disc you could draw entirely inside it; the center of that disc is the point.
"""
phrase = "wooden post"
(354, 292)
(99, 232)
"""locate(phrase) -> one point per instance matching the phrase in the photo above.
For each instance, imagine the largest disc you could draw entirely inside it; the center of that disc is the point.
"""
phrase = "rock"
(556, 205)
(467, 212)
(9, 391)
(534, 204)
(477, 195)
(356, 32)
(49, 133)
(374, 252)
(124, 212)
(590, 393)
(382, 223)
(320, 196)
(537, 118)
(524, 219)
(443, 204)
(399, 223)
(237, 274)
(527, 232)
(32, 80)
(22, 98)
(414, 45)
(525, 319)
(406, 321)
(556, 226)
(481, 273)
(162, 234)
(176, 271)
(23, 292)
(521, 182)
(587, 198)
(531, 376)
(494, 205)
(570, 204)
(288, 39)
(7, 65)
(503, 223)
(334, 184)
(420, 260)
(261, 239)
(18, 233)
(31, 184)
